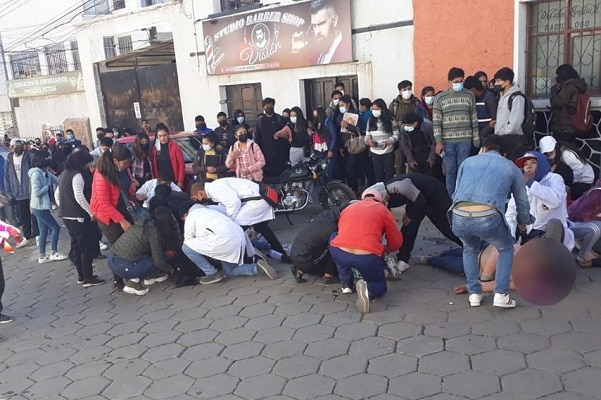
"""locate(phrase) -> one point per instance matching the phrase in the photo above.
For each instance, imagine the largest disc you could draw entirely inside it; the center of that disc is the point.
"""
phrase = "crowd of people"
(434, 155)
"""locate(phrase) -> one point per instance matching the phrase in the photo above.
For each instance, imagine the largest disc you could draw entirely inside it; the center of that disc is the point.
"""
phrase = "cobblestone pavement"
(253, 338)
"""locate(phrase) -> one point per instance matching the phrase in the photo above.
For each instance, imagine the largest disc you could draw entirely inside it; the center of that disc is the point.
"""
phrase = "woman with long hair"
(325, 139)
(245, 157)
(300, 137)
(381, 137)
(141, 166)
(167, 158)
(209, 162)
(73, 196)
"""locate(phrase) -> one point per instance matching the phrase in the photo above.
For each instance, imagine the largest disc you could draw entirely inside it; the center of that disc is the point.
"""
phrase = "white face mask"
(240, 120)
(342, 110)
(206, 147)
(335, 101)
(408, 128)
(376, 113)
(406, 94)
(293, 120)
(429, 100)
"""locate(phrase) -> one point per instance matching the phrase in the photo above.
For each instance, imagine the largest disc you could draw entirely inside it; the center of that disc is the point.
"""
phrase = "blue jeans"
(370, 266)
(493, 230)
(450, 260)
(130, 269)
(588, 233)
(454, 154)
(46, 222)
(230, 269)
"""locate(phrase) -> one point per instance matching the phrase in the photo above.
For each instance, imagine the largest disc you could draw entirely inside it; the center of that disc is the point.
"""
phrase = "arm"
(259, 158)
(562, 96)
(511, 216)
(78, 186)
(197, 167)
(175, 188)
(180, 170)
(474, 118)
(222, 169)
(520, 196)
(7, 188)
(142, 192)
(437, 120)
(228, 198)
(39, 186)
(571, 160)
(429, 134)
(332, 136)
(156, 250)
(406, 147)
(516, 117)
(230, 161)
(101, 189)
(553, 195)
(394, 238)
(395, 134)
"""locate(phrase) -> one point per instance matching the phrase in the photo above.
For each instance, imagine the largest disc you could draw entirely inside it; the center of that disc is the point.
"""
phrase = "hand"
(439, 148)
(371, 143)
(522, 228)
(330, 154)
(245, 172)
(406, 220)
(413, 165)
(211, 170)
(431, 163)
(125, 225)
(236, 153)
(384, 144)
(343, 124)
(341, 152)
(141, 197)
(223, 143)
(181, 185)
(492, 123)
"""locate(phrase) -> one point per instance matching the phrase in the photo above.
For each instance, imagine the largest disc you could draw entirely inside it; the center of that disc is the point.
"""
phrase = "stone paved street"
(253, 338)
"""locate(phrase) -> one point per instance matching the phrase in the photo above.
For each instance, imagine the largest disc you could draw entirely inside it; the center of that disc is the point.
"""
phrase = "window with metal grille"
(227, 5)
(564, 32)
(25, 64)
(146, 3)
(95, 7)
(118, 4)
(109, 47)
(75, 54)
(56, 58)
(125, 44)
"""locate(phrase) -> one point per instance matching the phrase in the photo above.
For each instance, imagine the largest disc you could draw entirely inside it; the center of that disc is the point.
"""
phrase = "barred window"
(118, 4)
(564, 32)
(75, 53)
(25, 64)
(109, 47)
(95, 7)
(56, 58)
(125, 44)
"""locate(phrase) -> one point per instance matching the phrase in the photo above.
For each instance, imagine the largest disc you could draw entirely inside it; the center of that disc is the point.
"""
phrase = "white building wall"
(33, 112)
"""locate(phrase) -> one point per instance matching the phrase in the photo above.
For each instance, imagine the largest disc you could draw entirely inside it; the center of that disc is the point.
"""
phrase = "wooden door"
(248, 98)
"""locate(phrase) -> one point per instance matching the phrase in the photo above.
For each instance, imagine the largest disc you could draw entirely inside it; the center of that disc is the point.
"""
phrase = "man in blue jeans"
(484, 183)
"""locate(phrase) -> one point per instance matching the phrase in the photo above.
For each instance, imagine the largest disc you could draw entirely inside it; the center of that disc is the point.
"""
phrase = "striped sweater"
(455, 118)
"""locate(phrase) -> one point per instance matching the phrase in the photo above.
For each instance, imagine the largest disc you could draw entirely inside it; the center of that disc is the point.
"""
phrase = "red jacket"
(362, 224)
(104, 201)
(177, 161)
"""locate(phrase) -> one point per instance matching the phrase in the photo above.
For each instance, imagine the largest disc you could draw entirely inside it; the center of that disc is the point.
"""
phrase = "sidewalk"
(253, 338)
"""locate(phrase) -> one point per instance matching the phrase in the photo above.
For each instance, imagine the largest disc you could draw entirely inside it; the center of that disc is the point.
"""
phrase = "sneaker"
(56, 256)
(80, 279)
(504, 301)
(99, 256)
(362, 302)
(348, 288)
(92, 282)
(23, 243)
(267, 269)
(5, 319)
(402, 266)
(136, 288)
(118, 284)
(155, 277)
(103, 246)
(475, 299)
(328, 280)
(554, 230)
(44, 259)
(286, 259)
(209, 279)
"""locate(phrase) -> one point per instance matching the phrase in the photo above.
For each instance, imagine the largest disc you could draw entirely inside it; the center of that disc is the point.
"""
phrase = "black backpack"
(529, 123)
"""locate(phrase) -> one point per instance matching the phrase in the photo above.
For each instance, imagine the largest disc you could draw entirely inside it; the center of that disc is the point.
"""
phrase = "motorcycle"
(294, 183)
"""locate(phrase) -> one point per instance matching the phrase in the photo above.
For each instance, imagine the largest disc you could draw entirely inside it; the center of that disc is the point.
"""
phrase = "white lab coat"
(228, 192)
(215, 235)
(547, 200)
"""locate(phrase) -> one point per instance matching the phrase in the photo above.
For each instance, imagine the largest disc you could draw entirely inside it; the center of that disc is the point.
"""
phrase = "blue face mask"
(457, 87)
(342, 110)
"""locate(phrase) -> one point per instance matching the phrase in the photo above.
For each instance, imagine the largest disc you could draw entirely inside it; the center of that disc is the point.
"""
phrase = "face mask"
(207, 147)
(144, 146)
(293, 120)
(70, 137)
(406, 94)
(429, 100)
(408, 128)
(269, 111)
(19, 150)
(376, 113)
(498, 88)
(243, 137)
(457, 87)
(100, 135)
(342, 110)
(223, 123)
(335, 101)
(201, 125)
(240, 120)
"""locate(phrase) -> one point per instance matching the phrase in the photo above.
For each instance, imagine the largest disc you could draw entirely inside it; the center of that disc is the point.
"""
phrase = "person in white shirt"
(146, 191)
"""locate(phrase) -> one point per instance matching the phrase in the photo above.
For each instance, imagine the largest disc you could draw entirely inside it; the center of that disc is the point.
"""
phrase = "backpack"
(267, 193)
(582, 118)
(529, 123)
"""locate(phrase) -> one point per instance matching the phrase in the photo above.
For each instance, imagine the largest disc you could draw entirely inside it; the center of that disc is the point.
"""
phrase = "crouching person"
(209, 233)
(310, 250)
(138, 258)
(358, 245)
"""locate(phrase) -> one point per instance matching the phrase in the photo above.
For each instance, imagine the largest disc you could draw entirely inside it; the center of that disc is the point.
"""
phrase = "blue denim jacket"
(490, 179)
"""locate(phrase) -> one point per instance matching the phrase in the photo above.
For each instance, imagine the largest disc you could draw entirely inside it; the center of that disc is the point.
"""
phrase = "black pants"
(29, 222)
(357, 166)
(323, 265)
(1, 284)
(83, 246)
(264, 229)
(578, 189)
(383, 167)
(437, 213)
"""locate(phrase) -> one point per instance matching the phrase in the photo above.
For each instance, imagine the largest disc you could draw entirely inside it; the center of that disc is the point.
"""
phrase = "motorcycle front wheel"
(340, 194)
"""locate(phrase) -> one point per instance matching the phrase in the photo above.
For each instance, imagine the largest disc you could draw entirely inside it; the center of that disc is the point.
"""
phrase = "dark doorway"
(318, 91)
(155, 87)
(248, 98)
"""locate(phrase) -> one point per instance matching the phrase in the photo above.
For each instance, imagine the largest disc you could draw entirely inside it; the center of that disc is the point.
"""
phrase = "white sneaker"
(475, 299)
(503, 301)
(133, 287)
(103, 246)
(56, 256)
(44, 260)
(156, 277)
(23, 243)
(402, 266)
(362, 302)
